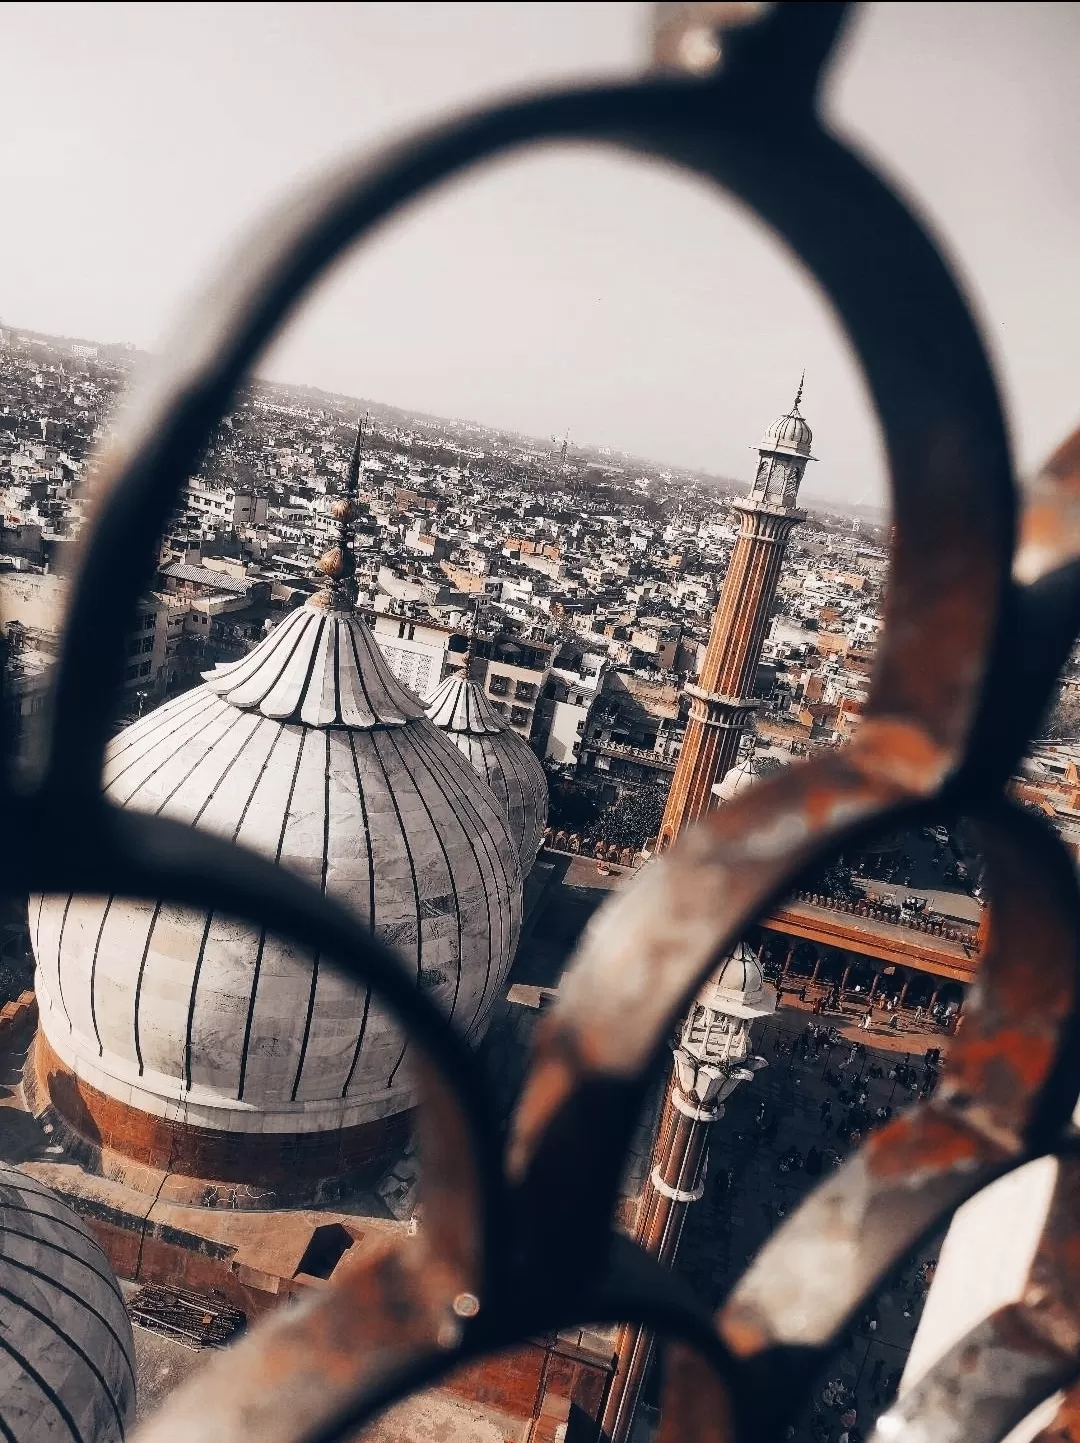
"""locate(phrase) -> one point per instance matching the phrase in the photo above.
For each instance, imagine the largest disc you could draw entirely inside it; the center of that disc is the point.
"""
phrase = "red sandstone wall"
(20, 1013)
(294, 1165)
(546, 1386)
(541, 1383)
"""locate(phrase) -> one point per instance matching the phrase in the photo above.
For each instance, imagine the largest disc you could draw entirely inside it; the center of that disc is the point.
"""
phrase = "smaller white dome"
(789, 435)
(737, 779)
(67, 1367)
(459, 708)
(738, 986)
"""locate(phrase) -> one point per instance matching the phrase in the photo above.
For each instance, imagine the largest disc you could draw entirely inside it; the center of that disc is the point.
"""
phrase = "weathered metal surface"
(974, 639)
(1007, 1092)
(994, 1376)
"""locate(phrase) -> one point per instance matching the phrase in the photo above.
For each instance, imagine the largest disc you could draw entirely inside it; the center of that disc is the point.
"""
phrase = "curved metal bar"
(930, 380)
(941, 668)
(321, 1370)
(382, 1331)
(1009, 1363)
(984, 1386)
(1050, 522)
(1012, 1078)
(636, 1287)
(646, 952)
(1010, 1082)
(1064, 1427)
(1039, 622)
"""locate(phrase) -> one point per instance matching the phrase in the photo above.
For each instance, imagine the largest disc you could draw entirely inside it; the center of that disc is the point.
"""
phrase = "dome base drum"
(205, 1166)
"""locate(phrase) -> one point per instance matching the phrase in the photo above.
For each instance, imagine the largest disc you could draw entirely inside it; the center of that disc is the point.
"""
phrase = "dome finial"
(474, 622)
(798, 393)
(338, 564)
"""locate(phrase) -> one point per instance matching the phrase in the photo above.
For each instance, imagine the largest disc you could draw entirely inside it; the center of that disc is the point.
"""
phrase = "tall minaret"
(712, 1057)
(721, 703)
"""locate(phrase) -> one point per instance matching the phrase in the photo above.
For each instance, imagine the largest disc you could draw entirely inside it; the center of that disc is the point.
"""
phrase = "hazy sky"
(572, 290)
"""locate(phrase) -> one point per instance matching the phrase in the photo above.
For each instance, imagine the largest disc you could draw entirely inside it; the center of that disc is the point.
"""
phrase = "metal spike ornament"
(338, 564)
(474, 622)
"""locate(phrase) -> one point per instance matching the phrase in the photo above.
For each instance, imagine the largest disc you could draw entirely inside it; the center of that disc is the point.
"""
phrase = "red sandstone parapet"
(18, 1014)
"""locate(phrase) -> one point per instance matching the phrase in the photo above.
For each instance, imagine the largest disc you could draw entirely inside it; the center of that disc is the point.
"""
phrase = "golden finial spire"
(338, 564)
(798, 393)
(474, 621)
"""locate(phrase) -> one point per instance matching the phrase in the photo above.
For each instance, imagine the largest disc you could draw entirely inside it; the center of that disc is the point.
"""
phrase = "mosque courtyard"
(755, 1179)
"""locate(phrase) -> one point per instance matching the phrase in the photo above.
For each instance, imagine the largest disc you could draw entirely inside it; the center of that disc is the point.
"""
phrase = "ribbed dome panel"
(321, 668)
(309, 752)
(790, 434)
(459, 705)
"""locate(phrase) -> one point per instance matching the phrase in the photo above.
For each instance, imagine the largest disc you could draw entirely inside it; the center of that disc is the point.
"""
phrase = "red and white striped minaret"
(722, 702)
(712, 1056)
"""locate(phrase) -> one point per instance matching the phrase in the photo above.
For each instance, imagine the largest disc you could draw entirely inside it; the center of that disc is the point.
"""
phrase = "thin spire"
(798, 393)
(338, 564)
(472, 634)
(352, 485)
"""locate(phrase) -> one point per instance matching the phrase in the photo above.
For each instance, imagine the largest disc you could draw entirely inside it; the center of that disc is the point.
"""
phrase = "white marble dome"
(738, 986)
(66, 1352)
(506, 762)
(789, 435)
(310, 752)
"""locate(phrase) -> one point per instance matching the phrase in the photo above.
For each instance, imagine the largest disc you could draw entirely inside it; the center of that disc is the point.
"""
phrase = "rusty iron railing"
(518, 1237)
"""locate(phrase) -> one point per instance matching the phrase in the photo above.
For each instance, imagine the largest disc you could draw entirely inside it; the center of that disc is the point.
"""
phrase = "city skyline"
(869, 511)
(570, 290)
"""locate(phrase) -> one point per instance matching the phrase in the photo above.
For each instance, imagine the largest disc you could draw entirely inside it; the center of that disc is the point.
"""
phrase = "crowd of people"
(801, 1117)
(830, 999)
(834, 1415)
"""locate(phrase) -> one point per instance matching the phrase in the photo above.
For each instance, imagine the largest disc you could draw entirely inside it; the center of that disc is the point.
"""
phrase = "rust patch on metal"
(936, 676)
(923, 1143)
(1064, 1427)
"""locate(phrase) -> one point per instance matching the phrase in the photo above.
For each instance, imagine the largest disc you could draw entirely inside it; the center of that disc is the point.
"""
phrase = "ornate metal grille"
(518, 1236)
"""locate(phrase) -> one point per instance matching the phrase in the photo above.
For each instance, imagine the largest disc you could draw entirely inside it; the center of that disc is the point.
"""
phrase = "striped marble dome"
(66, 1353)
(508, 764)
(310, 752)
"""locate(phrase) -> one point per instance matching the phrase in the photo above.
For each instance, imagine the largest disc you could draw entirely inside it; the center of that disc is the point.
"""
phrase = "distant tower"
(722, 701)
